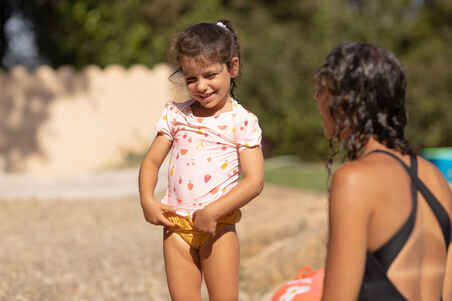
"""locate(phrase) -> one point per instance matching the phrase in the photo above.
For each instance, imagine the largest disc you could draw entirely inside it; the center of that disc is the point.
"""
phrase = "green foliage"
(104, 32)
(283, 44)
(94, 32)
(305, 176)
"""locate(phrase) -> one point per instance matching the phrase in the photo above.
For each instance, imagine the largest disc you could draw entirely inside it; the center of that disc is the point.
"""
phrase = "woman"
(388, 233)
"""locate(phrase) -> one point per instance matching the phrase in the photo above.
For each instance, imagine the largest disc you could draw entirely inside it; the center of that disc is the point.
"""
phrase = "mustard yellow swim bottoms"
(184, 228)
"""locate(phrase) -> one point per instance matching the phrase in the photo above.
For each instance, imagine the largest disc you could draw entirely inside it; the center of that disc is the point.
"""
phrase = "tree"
(6, 10)
(283, 43)
(287, 41)
(105, 32)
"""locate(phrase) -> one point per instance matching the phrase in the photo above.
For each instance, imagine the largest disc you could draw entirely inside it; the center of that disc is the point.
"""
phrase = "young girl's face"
(208, 82)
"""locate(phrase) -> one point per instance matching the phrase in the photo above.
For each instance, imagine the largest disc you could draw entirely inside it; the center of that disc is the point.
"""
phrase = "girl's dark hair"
(213, 41)
(367, 87)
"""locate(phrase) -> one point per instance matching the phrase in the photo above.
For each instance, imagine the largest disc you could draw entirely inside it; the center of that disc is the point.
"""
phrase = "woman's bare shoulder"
(356, 174)
(430, 172)
(436, 182)
(353, 184)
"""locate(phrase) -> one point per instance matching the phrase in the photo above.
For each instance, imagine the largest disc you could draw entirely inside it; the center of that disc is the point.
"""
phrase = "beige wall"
(60, 122)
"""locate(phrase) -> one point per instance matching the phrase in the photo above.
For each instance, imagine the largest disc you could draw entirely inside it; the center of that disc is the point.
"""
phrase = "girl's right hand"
(154, 213)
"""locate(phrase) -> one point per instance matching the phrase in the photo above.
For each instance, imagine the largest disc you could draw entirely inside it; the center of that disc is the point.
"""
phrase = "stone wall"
(61, 122)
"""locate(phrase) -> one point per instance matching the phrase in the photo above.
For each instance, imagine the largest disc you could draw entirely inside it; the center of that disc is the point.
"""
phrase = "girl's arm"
(251, 184)
(349, 215)
(153, 210)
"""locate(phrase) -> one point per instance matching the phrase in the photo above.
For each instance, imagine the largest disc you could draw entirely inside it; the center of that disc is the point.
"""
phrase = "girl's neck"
(200, 111)
(372, 145)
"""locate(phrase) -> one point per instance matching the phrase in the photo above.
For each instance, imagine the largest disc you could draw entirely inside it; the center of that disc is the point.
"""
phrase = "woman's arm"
(251, 184)
(349, 216)
(447, 284)
(152, 209)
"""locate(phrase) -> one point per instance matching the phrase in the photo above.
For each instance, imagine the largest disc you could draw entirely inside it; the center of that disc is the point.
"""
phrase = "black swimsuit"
(376, 285)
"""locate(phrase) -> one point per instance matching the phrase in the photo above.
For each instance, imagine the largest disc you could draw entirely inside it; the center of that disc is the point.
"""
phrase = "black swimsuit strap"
(435, 205)
(387, 253)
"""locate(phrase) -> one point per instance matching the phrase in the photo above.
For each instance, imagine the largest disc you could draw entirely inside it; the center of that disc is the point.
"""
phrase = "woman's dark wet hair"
(215, 42)
(367, 87)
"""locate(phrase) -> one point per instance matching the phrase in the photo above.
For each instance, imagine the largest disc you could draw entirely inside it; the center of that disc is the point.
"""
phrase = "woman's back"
(402, 223)
(387, 241)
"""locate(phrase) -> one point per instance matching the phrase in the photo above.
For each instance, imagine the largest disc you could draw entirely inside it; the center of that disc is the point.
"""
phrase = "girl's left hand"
(204, 221)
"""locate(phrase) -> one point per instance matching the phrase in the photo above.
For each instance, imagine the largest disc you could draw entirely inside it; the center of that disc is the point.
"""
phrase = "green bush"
(283, 44)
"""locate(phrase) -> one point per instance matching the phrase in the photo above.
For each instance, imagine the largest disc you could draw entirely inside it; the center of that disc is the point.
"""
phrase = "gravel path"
(103, 250)
(84, 238)
(90, 186)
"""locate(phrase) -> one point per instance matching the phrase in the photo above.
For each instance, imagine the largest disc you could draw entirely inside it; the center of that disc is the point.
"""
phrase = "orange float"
(306, 287)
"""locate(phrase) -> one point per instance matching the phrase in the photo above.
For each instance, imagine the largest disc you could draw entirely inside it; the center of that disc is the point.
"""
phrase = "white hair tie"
(221, 24)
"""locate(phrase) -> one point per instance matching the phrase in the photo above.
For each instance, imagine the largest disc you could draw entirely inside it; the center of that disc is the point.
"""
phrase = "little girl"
(213, 142)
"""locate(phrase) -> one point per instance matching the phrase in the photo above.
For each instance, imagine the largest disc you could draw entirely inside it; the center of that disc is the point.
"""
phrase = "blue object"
(442, 158)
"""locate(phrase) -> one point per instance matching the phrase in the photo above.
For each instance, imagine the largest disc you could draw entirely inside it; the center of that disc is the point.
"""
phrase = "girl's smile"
(208, 83)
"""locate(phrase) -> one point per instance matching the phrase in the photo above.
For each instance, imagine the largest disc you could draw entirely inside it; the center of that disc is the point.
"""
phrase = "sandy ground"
(100, 248)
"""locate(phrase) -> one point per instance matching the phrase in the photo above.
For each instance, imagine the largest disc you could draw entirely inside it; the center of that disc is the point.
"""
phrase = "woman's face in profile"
(322, 96)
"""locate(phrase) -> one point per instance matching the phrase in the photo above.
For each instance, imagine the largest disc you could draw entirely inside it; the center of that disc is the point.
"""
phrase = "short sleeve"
(163, 125)
(249, 132)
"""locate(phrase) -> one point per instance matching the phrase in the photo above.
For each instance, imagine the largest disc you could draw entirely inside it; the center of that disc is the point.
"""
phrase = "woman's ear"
(234, 67)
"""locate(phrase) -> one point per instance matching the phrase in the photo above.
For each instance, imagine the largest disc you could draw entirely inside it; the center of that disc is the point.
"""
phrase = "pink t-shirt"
(204, 158)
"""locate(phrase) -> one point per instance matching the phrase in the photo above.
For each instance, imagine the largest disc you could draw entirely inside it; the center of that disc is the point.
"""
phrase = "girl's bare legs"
(182, 267)
(220, 260)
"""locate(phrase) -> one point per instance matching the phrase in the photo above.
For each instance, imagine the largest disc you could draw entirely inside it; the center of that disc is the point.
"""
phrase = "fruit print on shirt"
(205, 151)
